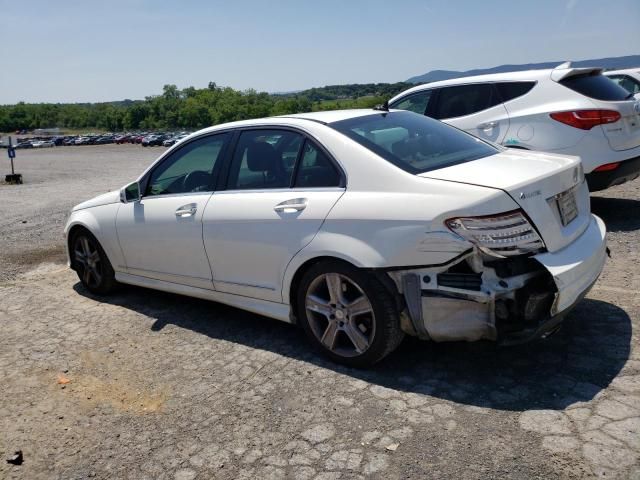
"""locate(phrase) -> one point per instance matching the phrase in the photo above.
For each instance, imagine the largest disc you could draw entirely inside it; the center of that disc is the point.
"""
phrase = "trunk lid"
(546, 186)
(625, 133)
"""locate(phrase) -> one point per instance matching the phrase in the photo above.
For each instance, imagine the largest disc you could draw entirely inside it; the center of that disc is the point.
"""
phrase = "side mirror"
(130, 193)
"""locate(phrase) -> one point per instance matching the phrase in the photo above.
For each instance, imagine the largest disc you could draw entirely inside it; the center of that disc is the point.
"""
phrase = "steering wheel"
(194, 180)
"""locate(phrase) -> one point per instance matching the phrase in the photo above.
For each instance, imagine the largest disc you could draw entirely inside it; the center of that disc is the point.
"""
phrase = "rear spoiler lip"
(561, 72)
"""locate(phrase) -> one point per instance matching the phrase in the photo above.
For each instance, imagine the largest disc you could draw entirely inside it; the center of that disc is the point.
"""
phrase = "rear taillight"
(586, 119)
(501, 235)
(607, 167)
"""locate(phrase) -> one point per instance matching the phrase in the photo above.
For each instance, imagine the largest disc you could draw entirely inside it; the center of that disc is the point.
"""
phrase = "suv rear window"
(414, 143)
(596, 86)
(510, 90)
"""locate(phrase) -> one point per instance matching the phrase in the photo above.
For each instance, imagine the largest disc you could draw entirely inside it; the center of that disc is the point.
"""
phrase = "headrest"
(411, 146)
(457, 108)
(261, 157)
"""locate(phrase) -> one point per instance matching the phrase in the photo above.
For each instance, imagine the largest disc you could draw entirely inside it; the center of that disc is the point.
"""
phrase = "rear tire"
(348, 314)
(91, 263)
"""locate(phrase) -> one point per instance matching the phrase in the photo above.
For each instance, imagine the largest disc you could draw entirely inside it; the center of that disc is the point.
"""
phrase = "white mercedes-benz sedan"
(361, 226)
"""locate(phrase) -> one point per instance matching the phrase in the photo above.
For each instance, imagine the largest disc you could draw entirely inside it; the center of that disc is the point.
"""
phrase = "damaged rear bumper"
(576, 267)
(544, 329)
(510, 300)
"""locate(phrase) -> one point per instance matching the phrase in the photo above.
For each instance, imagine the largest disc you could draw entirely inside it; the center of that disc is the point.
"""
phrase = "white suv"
(628, 79)
(573, 111)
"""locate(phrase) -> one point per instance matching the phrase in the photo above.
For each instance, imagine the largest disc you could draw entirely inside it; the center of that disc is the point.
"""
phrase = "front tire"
(348, 314)
(92, 264)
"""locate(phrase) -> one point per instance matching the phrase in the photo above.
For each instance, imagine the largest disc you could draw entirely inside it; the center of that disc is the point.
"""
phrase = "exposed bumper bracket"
(413, 297)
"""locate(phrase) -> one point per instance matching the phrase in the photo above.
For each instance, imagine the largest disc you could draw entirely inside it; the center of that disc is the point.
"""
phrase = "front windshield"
(414, 142)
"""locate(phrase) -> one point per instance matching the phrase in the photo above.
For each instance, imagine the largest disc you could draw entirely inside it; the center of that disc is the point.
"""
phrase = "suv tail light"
(503, 235)
(586, 119)
(607, 167)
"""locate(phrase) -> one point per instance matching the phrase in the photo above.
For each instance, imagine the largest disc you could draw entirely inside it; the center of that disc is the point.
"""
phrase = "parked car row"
(145, 139)
(151, 139)
(38, 142)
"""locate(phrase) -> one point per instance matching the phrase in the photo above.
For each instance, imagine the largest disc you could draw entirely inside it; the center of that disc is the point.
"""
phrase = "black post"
(13, 173)
(14, 178)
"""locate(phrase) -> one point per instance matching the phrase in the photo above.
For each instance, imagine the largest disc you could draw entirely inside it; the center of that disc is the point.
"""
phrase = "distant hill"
(348, 91)
(611, 63)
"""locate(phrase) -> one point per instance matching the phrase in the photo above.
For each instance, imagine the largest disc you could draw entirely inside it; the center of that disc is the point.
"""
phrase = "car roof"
(556, 74)
(330, 116)
(626, 70)
(297, 119)
(530, 75)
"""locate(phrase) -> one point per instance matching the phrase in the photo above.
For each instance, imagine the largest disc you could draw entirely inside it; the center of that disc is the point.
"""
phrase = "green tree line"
(191, 108)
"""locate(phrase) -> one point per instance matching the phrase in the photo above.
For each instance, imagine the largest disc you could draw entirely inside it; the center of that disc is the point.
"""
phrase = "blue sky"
(74, 51)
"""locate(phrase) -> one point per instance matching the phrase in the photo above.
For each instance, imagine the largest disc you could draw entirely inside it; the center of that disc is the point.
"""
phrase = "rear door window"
(510, 90)
(264, 159)
(416, 103)
(596, 86)
(462, 100)
(315, 169)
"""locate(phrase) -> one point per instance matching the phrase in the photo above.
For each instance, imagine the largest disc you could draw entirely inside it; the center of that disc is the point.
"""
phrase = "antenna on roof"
(564, 65)
(383, 108)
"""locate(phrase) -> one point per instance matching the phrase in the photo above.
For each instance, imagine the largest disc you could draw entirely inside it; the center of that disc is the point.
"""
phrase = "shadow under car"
(571, 366)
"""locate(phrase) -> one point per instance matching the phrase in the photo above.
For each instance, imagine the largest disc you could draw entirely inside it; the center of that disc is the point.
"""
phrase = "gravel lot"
(149, 385)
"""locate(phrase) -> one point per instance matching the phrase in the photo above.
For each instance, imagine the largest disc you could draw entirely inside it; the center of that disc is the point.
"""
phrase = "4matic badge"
(525, 195)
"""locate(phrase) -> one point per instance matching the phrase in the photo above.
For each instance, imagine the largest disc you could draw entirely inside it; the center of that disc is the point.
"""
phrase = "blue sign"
(11, 152)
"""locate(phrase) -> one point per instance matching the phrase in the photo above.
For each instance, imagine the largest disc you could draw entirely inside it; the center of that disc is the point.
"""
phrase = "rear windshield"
(597, 86)
(413, 142)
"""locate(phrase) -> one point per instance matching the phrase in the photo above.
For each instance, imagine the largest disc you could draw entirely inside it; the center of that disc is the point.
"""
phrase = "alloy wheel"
(87, 256)
(340, 314)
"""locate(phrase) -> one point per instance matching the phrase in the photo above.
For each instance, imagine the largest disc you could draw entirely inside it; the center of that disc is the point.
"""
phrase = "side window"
(192, 168)
(631, 85)
(290, 148)
(416, 103)
(464, 100)
(315, 169)
(510, 90)
(264, 159)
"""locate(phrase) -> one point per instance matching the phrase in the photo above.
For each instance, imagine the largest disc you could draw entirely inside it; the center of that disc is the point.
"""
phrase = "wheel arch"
(86, 220)
(72, 232)
(518, 147)
(353, 251)
(290, 292)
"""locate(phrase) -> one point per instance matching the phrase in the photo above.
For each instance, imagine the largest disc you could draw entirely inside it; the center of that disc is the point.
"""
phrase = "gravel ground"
(149, 385)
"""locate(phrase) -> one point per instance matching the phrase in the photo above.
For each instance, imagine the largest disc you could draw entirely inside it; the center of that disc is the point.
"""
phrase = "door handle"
(487, 125)
(290, 206)
(187, 210)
